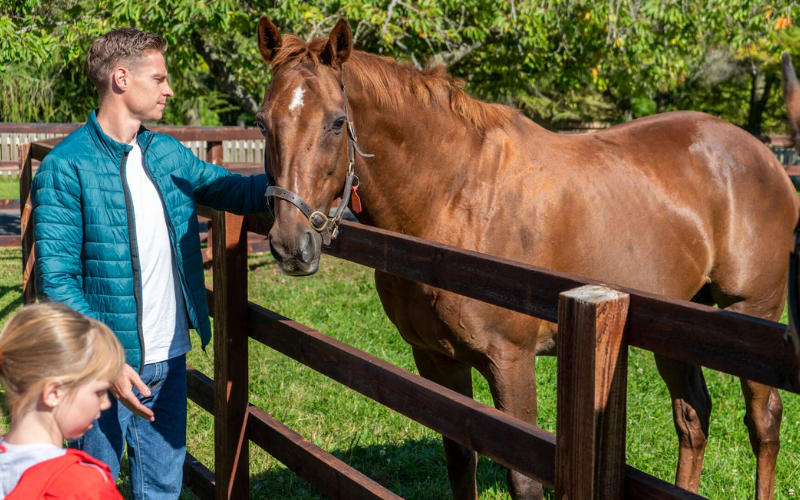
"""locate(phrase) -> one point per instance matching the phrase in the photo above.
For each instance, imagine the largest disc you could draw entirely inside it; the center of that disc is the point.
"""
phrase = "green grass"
(9, 189)
(406, 457)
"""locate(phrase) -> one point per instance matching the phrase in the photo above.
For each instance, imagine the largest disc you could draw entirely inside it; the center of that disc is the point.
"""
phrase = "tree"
(558, 60)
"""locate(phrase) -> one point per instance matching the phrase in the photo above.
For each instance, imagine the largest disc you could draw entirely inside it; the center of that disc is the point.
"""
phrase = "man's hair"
(123, 45)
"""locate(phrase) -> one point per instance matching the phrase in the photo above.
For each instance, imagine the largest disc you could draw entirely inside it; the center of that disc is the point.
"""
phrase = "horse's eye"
(261, 126)
(338, 124)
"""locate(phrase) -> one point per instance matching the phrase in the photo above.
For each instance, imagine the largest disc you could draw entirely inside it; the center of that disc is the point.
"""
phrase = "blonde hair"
(122, 45)
(52, 342)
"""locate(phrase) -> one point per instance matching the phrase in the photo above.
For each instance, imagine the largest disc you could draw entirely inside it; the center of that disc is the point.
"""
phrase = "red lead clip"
(355, 201)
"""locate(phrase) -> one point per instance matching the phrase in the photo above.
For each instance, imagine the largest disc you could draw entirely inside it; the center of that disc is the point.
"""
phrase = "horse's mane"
(392, 82)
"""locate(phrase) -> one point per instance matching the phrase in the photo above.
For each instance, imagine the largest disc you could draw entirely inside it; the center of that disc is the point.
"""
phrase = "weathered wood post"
(231, 440)
(592, 385)
(26, 223)
(214, 154)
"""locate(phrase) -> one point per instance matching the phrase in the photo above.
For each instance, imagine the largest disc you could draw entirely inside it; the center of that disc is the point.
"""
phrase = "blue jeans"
(156, 450)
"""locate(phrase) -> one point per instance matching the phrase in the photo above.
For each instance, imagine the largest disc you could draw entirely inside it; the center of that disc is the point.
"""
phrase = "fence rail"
(589, 314)
(239, 145)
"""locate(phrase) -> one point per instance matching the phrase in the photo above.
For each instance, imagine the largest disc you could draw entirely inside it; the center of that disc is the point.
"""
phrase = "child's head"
(58, 360)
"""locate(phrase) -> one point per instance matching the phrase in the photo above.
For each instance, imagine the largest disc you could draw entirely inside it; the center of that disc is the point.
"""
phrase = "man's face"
(148, 89)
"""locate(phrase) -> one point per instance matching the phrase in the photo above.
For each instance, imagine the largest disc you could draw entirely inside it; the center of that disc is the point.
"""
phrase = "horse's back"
(660, 203)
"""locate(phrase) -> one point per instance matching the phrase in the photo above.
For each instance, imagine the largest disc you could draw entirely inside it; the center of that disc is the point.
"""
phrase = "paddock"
(591, 392)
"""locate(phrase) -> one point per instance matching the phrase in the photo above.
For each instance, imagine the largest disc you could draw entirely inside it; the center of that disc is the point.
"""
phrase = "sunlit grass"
(406, 457)
(9, 189)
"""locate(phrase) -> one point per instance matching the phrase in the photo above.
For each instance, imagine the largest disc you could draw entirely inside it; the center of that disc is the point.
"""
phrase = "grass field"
(404, 456)
(9, 189)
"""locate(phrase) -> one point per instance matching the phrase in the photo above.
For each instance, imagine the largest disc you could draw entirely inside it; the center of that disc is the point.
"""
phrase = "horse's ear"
(269, 39)
(340, 44)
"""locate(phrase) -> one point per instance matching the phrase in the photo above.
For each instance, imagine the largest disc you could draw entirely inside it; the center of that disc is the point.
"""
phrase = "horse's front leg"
(512, 379)
(461, 461)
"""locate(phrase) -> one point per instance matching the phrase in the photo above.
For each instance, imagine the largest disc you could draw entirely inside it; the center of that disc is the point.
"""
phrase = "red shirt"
(73, 476)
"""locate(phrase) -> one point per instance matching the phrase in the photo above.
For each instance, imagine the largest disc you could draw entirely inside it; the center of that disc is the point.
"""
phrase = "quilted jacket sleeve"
(58, 232)
(219, 189)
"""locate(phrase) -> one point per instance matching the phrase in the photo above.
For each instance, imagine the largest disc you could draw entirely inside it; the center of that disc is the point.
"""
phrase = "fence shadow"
(415, 470)
(14, 304)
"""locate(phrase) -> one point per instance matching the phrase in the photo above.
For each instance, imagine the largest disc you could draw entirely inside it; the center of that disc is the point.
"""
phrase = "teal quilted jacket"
(86, 246)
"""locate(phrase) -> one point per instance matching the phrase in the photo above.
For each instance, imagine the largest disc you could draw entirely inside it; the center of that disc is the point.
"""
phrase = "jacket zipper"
(184, 285)
(137, 271)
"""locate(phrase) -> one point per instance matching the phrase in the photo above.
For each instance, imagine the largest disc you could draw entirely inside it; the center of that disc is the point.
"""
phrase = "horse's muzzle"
(300, 255)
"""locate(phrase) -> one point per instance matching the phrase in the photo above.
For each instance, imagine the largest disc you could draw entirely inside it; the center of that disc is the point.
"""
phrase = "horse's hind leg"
(461, 461)
(763, 420)
(763, 408)
(691, 409)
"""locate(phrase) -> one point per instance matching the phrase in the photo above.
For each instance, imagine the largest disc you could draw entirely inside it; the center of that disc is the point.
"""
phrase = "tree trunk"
(661, 102)
(759, 95)
(192, 116)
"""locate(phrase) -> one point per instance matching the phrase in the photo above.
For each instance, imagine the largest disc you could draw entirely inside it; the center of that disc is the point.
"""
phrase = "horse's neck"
(413, 174)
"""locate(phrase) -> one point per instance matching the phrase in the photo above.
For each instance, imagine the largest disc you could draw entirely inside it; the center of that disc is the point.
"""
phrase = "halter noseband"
(328, 227)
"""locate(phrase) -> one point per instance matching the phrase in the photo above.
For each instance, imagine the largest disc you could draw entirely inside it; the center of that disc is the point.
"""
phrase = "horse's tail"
(791, 94)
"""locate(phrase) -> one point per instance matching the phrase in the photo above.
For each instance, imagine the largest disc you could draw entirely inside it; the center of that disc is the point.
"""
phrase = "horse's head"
(303, 118)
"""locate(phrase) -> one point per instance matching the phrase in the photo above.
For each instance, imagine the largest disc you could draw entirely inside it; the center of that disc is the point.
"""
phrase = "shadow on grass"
(263, 263)
(415, 470)
(14, 304)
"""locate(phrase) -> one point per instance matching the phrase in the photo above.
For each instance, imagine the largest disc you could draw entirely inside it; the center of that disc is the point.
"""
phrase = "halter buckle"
(324, 225)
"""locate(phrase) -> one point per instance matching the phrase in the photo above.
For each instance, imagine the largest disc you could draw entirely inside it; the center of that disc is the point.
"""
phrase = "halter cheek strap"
(328, 227)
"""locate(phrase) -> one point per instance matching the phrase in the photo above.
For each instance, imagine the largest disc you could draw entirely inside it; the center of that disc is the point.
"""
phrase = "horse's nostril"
(307, 248)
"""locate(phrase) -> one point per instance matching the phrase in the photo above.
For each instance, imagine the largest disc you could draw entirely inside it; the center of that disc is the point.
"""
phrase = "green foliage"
(558, 60)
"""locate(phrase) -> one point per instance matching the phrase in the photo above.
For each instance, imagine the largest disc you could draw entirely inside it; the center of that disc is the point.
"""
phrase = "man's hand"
(123, 391)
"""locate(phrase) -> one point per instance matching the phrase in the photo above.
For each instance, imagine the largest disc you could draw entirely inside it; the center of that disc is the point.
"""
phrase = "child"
(56, 366)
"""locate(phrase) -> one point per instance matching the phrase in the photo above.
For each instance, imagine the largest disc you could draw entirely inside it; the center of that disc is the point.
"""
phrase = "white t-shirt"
(20, 457)
(164, 322)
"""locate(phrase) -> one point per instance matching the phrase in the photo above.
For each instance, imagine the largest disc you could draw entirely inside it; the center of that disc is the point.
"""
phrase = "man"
(117, 239)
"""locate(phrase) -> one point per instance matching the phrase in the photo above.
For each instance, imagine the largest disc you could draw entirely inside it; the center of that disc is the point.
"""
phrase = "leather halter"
(328, 227)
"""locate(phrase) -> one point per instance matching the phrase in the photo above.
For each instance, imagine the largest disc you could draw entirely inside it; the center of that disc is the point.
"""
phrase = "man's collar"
(110, 146)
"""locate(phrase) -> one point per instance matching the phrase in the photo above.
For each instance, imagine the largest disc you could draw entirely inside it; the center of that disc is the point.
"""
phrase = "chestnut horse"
(680, 204)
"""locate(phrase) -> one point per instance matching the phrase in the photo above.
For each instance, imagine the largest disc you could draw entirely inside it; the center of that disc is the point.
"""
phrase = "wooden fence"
(244, 146)
(584, 460)
(210, 143)
(238, 145)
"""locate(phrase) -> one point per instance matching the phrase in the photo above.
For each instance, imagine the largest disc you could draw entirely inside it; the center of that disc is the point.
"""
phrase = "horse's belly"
(459, 327)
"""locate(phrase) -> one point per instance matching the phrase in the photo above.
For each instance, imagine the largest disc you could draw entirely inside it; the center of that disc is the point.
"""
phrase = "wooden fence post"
(26, 223)
(592, 385)
(231, 440)
(214, 154)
